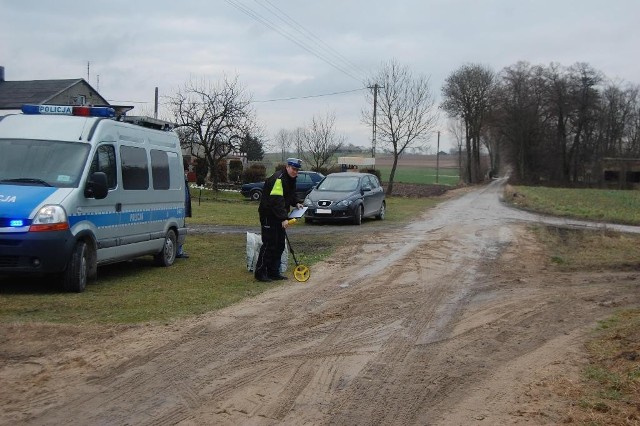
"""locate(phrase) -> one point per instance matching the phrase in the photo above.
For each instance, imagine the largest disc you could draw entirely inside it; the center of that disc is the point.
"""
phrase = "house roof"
(14, 94)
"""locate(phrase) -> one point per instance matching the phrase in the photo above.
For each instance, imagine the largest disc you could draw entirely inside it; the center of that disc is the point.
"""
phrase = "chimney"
(1, 73)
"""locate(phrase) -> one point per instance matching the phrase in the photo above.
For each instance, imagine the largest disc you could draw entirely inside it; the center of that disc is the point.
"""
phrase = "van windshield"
(38, 162)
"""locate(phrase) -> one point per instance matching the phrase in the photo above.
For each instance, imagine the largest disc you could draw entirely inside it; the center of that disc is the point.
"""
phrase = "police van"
(79, 189)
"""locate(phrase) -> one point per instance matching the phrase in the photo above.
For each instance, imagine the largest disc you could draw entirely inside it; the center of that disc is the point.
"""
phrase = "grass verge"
(592, 204)
(580, 250)
(613, 377)
(609, 390)
(213, 277)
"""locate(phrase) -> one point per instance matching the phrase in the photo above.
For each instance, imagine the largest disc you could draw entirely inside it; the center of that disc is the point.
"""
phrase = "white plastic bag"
(254, 242)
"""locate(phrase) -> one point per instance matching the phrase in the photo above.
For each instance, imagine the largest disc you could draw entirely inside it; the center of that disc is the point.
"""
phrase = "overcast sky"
(302, 49)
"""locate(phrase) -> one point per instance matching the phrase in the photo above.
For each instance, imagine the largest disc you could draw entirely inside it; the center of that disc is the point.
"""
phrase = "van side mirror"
(97, 186)
(366, 188)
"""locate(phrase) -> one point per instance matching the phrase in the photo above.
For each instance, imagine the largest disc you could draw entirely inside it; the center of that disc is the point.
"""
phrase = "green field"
(422, 175)
(411, 169)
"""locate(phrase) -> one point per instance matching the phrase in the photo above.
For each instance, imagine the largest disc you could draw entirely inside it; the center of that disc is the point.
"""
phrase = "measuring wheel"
(301, 273)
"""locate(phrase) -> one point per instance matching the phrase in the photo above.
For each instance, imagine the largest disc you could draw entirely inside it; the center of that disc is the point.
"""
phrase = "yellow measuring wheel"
(301, 272)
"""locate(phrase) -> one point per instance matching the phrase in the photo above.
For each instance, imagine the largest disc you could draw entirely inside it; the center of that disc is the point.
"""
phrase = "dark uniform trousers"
(273, 244)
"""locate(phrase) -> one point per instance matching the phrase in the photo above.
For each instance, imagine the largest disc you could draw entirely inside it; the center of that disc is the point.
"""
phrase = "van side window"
(105, 161)
(135, 169)
(160, 169)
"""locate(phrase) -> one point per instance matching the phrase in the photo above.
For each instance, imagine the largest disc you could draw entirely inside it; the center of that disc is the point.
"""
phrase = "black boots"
(262, 277)
(265, 277)
(278, 277)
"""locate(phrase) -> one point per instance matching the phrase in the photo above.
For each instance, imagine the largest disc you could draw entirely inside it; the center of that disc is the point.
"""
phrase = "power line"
(267, 100)
(287, 19)
(268, 23)
(311, 96)
(129, 102)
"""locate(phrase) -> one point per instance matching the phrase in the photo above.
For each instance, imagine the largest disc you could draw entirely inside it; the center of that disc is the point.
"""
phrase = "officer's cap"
(294, 162)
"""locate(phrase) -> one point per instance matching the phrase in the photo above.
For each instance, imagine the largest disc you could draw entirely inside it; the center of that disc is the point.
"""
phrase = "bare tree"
(283, 142)
(214, 119)
(297, 139)
(456, 129)
(467, 94)
(320, 141)
(406, 113)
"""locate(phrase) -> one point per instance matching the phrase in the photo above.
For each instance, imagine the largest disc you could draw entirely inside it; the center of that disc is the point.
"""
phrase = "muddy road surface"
(451, 320)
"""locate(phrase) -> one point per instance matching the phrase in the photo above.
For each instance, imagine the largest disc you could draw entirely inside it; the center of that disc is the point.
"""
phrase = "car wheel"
(382, 211)
(74, 278)
(167, 255)
(256, 194)
(357, 215)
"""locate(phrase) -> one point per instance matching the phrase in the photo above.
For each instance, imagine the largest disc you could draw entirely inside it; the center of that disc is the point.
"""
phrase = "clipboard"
(297, 213)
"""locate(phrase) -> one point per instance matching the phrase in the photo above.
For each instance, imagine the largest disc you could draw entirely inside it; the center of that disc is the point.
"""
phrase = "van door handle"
(118, 207)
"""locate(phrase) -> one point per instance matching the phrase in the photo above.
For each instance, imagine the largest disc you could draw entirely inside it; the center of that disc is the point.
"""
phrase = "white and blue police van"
(79, 189)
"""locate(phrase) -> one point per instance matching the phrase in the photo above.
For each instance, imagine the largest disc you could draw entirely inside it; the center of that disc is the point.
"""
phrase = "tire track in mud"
(428, 320)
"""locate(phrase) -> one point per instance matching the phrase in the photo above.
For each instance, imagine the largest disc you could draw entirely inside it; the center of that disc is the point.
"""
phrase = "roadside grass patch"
(577, 249)
(605, 205)
(138, 291)
(610, 392)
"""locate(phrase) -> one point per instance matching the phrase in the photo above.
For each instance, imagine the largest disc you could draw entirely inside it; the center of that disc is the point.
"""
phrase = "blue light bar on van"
(16, 223)
(82, 111)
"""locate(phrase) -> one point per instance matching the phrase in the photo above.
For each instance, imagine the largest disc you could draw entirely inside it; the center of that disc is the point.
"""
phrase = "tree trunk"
(392, 175)
(468, 144)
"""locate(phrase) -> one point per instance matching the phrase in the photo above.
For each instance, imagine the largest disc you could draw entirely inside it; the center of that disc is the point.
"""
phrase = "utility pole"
(88, 71)
(155, 104)
(375, 88)
(438, 158)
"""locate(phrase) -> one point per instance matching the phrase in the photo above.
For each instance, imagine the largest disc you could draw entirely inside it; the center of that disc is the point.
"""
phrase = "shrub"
(235, 170)
(373, 172)
(201, 171)
(221, 171)
(254, 173)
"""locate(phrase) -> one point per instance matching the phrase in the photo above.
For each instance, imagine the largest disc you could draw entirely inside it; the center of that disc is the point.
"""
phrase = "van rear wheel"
(167, 255)
(74, 278)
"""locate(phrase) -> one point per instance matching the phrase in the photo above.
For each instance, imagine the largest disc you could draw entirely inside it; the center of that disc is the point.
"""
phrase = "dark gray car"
(347, 196)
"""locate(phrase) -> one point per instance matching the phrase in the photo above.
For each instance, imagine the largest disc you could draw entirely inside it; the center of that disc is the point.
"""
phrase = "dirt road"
(452, 320)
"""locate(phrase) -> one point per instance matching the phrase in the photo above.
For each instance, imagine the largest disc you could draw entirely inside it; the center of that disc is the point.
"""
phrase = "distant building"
(356, 163)
(621, 173)
(14, 94)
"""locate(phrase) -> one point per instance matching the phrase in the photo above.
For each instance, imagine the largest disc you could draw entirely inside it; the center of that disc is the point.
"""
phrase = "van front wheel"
(74, 278)
(167, 256)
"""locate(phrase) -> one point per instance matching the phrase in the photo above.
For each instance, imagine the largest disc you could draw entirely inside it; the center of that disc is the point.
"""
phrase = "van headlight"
(308, 202)
(50, 218)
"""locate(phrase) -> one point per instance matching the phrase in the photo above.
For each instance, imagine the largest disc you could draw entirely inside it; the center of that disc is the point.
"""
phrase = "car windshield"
(334, 183)
(37, 162)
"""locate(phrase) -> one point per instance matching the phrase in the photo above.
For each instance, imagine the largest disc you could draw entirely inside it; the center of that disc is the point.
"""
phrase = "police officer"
(187, 213)
(278, 194)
